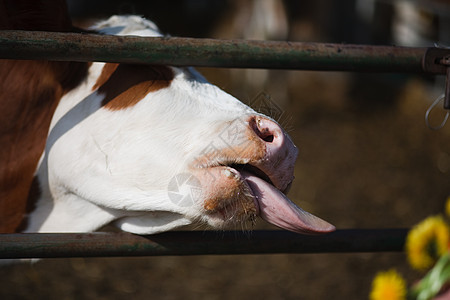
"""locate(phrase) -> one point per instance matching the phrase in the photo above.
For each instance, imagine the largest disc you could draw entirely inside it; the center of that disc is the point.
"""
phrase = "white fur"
(102, 166)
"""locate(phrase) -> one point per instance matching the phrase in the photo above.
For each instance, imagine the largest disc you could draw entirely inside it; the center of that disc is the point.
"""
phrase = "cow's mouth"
(272, 205)
(248, 168)
(250, 177)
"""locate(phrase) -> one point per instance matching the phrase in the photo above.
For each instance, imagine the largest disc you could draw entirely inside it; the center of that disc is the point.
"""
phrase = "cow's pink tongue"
(277, 209)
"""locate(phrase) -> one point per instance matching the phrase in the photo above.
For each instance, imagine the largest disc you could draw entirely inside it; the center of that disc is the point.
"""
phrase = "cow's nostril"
(268, 137)
(265, 129)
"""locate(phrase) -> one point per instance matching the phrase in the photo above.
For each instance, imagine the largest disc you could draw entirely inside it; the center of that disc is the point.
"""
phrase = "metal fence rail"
(51, 245)
(212, 53)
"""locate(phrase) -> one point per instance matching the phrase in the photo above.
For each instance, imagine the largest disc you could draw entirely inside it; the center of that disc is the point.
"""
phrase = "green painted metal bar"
(210, 52)
(52, 245)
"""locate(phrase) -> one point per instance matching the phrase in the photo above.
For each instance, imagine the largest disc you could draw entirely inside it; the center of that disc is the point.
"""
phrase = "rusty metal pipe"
(51, 245)
(209, 52)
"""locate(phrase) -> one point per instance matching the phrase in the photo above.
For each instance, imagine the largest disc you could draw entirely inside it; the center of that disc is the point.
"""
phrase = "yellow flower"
(426, 242)
(388, 285)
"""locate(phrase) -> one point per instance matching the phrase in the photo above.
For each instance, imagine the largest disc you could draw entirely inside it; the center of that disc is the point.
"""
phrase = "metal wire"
(427, 114)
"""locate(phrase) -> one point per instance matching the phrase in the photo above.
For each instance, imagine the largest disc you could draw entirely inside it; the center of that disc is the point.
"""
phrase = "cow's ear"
(152, 222)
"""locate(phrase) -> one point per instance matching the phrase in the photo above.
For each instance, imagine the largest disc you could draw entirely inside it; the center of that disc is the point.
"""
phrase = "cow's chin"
(226, 199)
(237, 194)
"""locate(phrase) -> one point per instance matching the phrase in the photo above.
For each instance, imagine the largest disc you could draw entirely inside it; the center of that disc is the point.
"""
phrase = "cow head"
(151, 148)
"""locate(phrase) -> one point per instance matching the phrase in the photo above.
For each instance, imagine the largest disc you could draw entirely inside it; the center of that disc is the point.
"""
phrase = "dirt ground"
(367, 160)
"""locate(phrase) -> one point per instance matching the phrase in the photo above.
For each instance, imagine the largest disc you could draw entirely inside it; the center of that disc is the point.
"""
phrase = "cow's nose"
(280, 151)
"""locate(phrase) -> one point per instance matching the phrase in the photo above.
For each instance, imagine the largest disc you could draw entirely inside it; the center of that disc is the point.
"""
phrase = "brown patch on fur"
(107, 70)
(124, 85)
(29, 94)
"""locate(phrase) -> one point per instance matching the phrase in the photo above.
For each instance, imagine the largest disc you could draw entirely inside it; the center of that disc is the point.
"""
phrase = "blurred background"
(367, 158)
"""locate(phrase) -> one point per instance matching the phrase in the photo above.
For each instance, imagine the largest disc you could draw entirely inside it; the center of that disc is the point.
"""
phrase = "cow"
(146, 148)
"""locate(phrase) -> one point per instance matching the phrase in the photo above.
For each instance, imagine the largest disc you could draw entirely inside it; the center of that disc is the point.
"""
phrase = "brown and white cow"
(146, 148)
